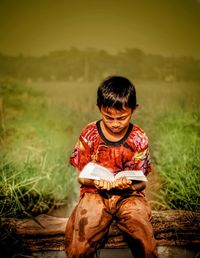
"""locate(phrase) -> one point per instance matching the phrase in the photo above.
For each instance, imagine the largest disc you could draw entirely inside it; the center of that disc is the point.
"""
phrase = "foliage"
(178, 160)
(33, 188)
(91, 64)
(34, 175)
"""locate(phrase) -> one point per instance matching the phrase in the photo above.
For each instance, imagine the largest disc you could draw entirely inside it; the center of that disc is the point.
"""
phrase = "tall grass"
(34, 175)
(178, 160)
(33, 188)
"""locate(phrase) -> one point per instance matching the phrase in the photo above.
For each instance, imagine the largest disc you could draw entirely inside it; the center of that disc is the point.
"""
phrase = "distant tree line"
(91, 64)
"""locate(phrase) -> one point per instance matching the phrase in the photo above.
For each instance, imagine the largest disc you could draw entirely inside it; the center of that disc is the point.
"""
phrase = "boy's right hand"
(103, 185)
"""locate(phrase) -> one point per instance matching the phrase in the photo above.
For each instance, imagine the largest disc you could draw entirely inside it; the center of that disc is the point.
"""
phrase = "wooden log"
(172, 227)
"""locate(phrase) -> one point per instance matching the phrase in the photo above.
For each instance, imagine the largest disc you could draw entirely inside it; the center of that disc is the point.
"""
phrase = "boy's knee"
(76, 249)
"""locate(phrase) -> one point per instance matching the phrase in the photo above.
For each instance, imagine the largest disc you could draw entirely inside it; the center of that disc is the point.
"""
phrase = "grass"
(40, 123)
(178, 160)
(34, 174)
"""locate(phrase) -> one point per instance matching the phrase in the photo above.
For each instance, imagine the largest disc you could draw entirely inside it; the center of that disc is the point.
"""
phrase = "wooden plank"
(171, 227)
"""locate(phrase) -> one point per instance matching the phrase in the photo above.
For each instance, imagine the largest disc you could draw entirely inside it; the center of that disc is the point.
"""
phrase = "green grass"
(33, 188)
(40, 123)
(178, 161)
(34, 173)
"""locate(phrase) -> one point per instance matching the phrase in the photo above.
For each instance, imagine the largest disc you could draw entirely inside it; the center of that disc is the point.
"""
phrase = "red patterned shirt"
(129, 153)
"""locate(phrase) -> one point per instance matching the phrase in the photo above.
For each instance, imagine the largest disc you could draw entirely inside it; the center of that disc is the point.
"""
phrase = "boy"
(116, 144)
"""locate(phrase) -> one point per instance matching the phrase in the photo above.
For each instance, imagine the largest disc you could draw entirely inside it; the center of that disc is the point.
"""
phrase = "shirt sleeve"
(81, 154)
(143, 161)
(140, 156)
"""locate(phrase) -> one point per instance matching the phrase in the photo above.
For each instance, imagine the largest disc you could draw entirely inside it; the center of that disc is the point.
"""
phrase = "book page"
(132, 175)
(96, 172)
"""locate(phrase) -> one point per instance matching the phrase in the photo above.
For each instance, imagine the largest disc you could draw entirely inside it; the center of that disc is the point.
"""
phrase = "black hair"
(117, 92)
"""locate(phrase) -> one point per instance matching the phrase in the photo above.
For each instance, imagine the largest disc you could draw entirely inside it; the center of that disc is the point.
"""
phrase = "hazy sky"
(167, 27)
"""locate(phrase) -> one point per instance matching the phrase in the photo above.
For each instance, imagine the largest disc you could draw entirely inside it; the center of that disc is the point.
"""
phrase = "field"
(40, 123)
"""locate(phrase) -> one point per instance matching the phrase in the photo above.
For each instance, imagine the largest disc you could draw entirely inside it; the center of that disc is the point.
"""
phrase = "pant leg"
(87, 226)
(134, 218)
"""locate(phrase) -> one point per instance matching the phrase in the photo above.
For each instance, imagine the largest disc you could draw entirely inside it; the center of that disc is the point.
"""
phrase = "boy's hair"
(117, 92)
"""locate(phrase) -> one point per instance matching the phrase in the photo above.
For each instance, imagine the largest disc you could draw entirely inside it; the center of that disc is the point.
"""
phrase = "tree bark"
(172, 227)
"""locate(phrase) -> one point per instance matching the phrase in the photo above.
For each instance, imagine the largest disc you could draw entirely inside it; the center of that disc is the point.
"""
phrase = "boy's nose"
(115, 123)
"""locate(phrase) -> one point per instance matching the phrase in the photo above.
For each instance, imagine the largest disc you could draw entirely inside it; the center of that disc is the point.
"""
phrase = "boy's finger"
(101, 183)
(108, 186)
(116, 183)
(124, 181)
(104, 184)
(120, 183)
(96, 182)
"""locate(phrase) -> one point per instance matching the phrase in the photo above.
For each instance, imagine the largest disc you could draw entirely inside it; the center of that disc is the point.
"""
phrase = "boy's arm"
(85, 181)
(124, 183)
(138, 186)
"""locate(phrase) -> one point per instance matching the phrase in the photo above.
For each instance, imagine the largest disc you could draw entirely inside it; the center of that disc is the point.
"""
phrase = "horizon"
(112, 53)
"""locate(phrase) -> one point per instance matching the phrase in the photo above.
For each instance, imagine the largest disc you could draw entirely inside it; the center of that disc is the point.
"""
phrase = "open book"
(97, 172)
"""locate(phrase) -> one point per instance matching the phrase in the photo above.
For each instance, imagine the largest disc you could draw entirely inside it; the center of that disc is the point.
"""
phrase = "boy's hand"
(103, 185)
(121, 183)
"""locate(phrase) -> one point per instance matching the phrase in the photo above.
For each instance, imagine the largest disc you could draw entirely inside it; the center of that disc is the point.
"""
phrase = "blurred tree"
(92, 64)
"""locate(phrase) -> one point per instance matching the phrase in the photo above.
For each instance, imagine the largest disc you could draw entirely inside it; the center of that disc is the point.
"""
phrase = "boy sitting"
(116, 144)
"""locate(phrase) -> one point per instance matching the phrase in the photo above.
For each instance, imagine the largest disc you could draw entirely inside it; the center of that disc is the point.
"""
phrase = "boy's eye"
(109, 118)
(122, 118)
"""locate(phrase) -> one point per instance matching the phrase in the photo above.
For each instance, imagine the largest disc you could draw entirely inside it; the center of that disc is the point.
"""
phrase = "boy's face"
(116, 121)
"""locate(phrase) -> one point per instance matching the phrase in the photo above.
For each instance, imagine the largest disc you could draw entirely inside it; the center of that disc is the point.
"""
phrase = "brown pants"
(89, 223)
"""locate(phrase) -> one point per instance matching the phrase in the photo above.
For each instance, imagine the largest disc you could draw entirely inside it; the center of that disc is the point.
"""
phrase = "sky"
(37, 27)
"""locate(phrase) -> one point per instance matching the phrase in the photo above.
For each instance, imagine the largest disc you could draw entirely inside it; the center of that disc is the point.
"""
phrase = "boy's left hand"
(103, 184)
(121, 183)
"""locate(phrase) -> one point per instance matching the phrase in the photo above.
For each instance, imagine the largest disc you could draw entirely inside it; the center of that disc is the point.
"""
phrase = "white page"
(132, 175)
(96, 172)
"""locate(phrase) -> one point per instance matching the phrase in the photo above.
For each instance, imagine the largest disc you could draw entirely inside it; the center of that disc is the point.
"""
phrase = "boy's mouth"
(116, 129)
